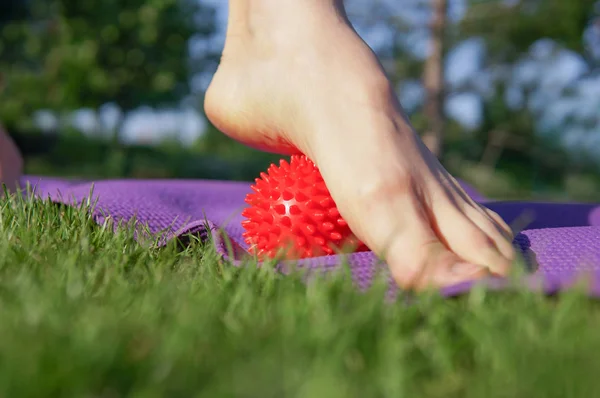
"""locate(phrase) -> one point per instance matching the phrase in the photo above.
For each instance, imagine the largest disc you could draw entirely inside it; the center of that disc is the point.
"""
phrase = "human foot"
(11, 164)
(295, 77)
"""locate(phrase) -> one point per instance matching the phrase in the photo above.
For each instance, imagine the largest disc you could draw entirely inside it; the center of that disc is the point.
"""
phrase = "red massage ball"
(292, 214)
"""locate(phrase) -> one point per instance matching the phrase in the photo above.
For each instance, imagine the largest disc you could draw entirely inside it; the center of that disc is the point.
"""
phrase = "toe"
(499, 223)
(493, 226)
(473, 236)
(418, 259)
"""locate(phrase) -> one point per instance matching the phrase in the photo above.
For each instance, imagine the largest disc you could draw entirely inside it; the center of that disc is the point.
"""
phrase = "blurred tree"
(510, 28)
(11, 10)
(433, 79)
(510, 136)
(509, 32)
(66, 54)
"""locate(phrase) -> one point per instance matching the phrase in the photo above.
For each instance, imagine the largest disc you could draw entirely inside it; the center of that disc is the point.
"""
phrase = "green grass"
(86, 312)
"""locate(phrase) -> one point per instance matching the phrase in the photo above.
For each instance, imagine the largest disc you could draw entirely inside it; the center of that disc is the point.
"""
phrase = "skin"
(295, 77)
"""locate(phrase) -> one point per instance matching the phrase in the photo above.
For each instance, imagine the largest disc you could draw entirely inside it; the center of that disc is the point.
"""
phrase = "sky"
(553, 68)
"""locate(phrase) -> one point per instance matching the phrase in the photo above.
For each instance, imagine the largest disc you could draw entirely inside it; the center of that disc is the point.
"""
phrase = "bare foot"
(11, 164)
(296, 77)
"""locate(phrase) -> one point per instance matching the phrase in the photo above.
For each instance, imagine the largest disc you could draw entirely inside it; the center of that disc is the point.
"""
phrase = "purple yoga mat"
(561, 241)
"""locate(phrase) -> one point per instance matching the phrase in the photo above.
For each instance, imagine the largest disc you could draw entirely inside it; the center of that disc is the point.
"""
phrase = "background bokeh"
(506, 92)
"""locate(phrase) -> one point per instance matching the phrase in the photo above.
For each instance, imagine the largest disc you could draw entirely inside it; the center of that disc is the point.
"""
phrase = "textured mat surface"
(561, 241)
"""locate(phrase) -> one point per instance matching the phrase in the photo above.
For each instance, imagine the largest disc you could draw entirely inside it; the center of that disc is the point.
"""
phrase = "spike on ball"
(291, 212)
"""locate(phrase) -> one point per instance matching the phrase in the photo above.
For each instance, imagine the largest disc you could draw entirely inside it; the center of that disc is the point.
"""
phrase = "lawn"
(86, 312)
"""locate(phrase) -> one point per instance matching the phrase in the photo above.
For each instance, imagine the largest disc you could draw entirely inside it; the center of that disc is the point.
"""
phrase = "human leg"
(295, 76)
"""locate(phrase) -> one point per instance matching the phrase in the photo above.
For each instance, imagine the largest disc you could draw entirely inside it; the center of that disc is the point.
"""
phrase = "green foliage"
(69, 54)
(77, 156)
(510, 30)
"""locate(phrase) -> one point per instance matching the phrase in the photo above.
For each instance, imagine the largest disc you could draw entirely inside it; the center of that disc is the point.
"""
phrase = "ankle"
(281, 21)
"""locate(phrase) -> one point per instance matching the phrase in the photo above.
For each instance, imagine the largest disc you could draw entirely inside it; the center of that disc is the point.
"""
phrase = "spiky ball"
(292, 214)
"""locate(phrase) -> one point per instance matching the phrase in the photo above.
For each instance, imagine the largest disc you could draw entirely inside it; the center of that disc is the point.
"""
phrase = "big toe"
(418, 259)
(475, 237)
